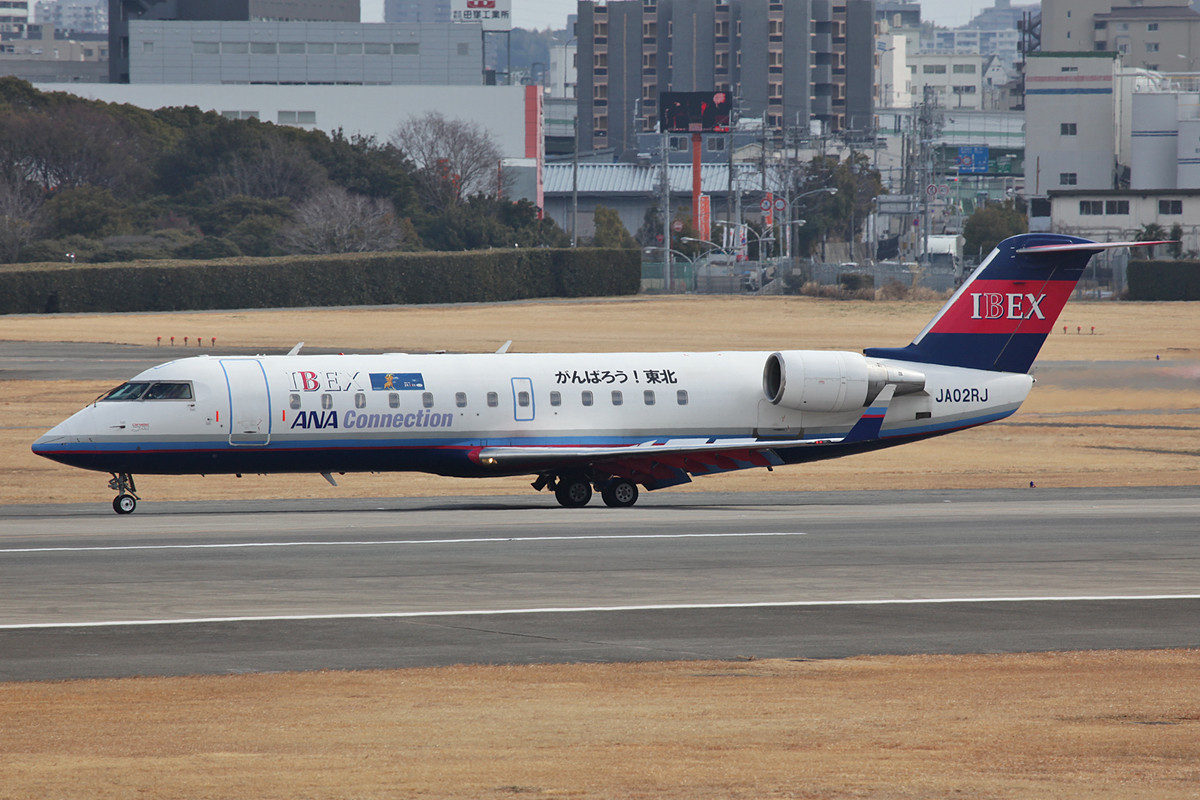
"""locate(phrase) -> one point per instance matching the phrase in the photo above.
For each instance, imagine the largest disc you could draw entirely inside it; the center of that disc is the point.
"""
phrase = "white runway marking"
(594, 609)
(390, 542)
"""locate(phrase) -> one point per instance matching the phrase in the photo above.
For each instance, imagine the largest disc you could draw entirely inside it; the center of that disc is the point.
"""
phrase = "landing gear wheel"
(619, 493)
(573, 492)
(126, 500)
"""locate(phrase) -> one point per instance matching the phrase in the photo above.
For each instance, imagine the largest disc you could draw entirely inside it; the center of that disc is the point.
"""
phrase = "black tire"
(573, 492)
(619, 493)
(124, 503)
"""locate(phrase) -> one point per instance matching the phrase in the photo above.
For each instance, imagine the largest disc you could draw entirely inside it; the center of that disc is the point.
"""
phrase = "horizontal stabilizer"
(1085, 247)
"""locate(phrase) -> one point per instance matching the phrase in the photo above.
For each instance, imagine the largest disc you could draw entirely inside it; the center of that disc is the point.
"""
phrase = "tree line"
(92, 181)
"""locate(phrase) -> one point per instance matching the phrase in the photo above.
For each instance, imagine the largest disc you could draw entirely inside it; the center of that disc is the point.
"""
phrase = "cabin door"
(523, 406)
(249, 402)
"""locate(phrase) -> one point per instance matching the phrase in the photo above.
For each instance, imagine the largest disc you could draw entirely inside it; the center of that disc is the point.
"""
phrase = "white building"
(893, 78)
(14, 16)
(1072, 118)
(564, 73)
(956, 79)
(1115, 216)
(345, 53)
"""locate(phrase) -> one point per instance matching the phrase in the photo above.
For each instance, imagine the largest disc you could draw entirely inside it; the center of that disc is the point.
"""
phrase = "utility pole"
(666, 205)
(575, 186)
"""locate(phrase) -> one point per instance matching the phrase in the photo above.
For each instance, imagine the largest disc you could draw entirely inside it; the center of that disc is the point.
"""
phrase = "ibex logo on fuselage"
(993, 305)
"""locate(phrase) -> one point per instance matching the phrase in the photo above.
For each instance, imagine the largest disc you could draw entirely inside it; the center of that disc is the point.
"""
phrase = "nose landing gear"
(126, 500)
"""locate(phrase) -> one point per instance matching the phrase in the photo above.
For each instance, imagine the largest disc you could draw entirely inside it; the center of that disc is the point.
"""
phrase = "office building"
(122, 13)
(800, 65)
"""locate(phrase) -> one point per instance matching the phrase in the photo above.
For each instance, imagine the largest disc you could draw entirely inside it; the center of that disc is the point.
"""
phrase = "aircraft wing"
(658, 463)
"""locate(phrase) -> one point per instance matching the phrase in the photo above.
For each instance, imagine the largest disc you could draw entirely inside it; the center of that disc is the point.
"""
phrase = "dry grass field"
(1078, 725)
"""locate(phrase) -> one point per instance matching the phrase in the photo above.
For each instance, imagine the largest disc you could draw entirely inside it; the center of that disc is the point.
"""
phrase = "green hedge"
(1164, 280)
(298, 281)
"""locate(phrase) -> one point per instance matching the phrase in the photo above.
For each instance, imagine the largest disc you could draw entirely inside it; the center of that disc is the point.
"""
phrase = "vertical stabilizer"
(999, 318)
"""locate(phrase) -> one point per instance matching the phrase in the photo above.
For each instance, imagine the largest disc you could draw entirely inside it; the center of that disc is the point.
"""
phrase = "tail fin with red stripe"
(1001, 315)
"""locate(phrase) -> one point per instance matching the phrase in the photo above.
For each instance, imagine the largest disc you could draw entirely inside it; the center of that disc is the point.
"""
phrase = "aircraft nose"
(62, 433)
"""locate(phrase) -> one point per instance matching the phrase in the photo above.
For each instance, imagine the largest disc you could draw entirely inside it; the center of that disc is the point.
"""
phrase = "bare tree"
(20, 216)
(335, 221)
(455, 159)
(277, 168)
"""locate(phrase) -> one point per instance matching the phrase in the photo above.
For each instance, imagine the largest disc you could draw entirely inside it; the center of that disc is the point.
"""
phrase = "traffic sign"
(765, 204)
(931, 189)
(780, 204)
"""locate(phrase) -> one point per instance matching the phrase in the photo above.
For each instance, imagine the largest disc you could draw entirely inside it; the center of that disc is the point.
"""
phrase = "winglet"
(295, 349)
(504, 347)
(868, 425)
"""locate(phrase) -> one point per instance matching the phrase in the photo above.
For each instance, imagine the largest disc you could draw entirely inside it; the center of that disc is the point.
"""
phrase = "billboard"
(494, 15)
(695, 112)
(972, 159)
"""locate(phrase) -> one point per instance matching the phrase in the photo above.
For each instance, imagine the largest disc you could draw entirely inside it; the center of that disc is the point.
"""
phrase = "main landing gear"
(126, 500)
(574, 490)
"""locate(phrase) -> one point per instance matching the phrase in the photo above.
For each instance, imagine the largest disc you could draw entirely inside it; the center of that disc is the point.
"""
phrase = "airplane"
(585, 422)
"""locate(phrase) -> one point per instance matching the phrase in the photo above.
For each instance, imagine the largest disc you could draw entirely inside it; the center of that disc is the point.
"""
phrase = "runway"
(183, 588)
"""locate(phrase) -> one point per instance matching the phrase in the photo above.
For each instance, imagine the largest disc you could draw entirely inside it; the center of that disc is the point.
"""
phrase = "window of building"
(1100, 25)
(1069, 69)
(964, 69)
(1091, 207)
(1170, 206)
(600, 60)
(377, 48)
(263, 48)
(1068, 178)
(1067, 128)
(1116, 207)
(320, 48)
(715, 144)
(677, 143)
(934, 69)
(407, 48)
(600, 91)
(147, 47)
(206, 48)
(1151, 26)
(1151, 47)
(351, 49)
(964, 89)
(292, 48)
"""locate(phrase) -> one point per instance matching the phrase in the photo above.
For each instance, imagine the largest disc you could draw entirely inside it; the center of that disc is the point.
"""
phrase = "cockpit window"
(126, 391)
(137, 390)
(169, 391)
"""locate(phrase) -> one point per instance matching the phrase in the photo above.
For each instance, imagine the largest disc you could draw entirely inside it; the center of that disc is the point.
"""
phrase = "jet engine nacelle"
(831, 381)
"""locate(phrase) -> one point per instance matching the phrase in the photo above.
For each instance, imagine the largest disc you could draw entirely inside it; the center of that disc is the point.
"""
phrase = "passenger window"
(648, 397)
(393, 399)
(681, 397)
(360, 400)
(460, 399)
(294, 400)
(555, 399)
(586, 398)
(493, 399)
(327, 401)
(618, 398)
(523, 399)
(427, 399)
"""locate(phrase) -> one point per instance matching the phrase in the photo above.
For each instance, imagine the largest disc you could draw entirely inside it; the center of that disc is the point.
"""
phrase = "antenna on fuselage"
(295, 349)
